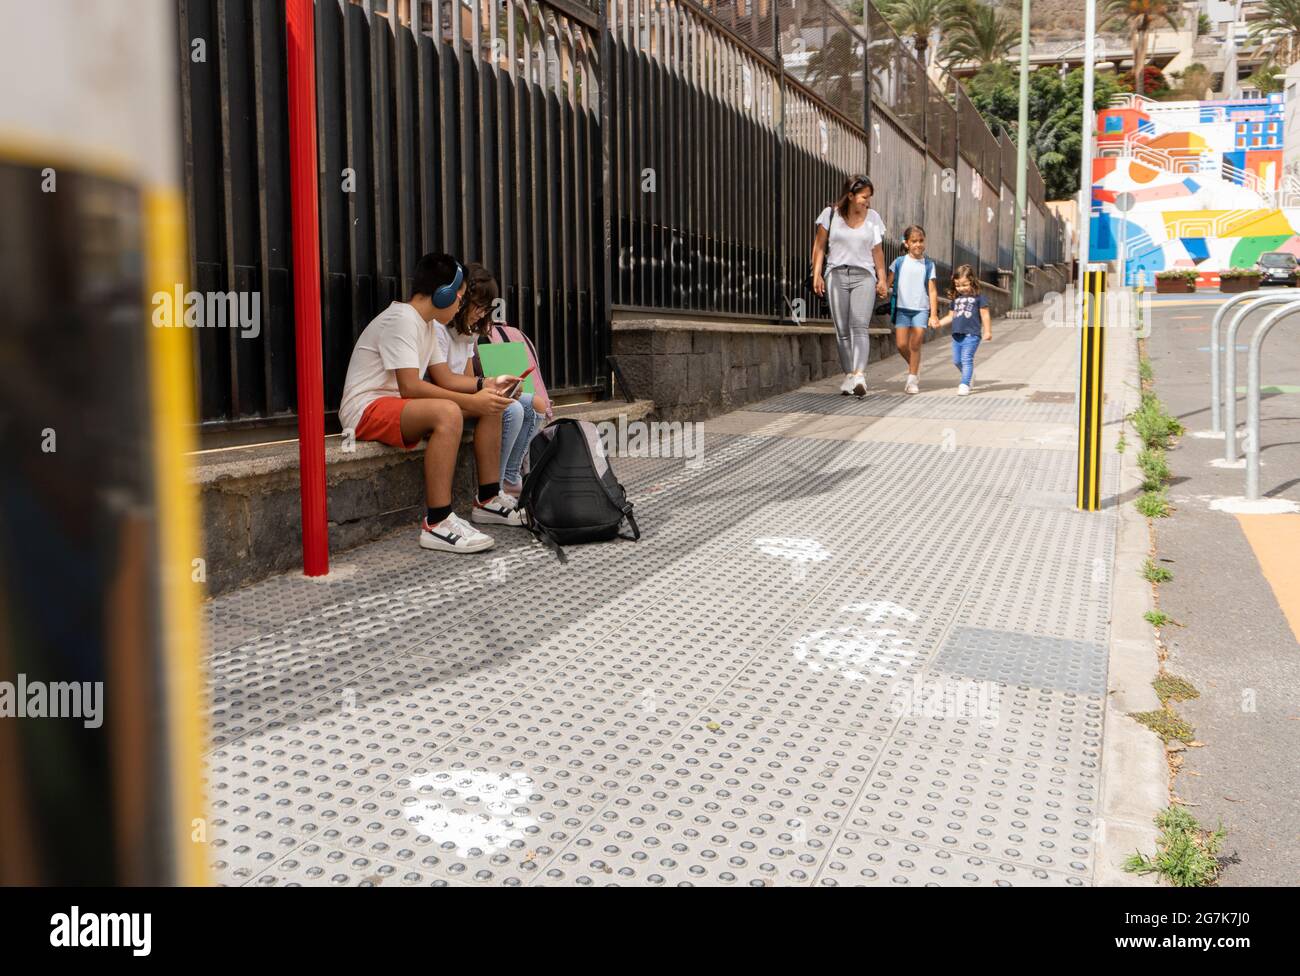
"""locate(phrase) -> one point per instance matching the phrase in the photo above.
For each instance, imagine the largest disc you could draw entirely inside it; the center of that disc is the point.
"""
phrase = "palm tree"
(1280, 24)
(918, 19)
(1142, 17)
(830, 70)
(980, 35)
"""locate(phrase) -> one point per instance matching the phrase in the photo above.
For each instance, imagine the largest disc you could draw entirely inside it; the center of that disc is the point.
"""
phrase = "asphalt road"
(1232, 639)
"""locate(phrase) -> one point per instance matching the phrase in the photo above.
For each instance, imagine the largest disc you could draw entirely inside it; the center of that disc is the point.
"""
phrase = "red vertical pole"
(304, 204)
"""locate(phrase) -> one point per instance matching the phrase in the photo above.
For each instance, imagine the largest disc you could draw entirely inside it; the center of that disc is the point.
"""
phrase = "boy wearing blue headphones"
(387, 398)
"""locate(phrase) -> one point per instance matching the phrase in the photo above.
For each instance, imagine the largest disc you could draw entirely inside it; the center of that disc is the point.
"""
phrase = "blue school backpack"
(893, 292)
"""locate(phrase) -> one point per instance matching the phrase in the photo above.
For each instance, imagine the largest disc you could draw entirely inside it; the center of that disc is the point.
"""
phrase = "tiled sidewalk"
(862, 642)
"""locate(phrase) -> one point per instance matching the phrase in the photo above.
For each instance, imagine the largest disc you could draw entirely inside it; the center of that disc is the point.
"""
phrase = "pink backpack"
(508, 333)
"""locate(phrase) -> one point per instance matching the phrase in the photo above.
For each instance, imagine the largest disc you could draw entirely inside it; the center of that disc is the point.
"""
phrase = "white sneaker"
(912, 385)
(454, 534)
(847, 386)
(963, 389)
(499, 510)
(859, 384)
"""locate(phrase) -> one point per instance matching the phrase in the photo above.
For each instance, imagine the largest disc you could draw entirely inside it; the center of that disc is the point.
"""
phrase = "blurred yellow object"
(99, 590)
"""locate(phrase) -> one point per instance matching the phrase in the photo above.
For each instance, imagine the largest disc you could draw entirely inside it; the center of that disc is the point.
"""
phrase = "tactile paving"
(755, 802)
(1011, 657)
(478, 822)
(741, 698)
(1049, 575)
(1042, 814)
(865, 860)
(240, 851)
(1033, 723)
(931, 408)
(321, 865)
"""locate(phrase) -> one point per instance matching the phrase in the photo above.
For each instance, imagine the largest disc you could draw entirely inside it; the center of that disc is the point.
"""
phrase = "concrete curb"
(1134, 774)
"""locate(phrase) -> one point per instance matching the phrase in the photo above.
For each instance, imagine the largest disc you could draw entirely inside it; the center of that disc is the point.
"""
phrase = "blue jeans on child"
(964, 345)
(518, 425)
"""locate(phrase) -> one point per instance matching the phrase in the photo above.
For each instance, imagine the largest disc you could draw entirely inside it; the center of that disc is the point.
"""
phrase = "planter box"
(1174, 286)
(1250, 283)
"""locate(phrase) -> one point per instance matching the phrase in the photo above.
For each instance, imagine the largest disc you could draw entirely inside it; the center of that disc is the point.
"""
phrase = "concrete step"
(251, 510)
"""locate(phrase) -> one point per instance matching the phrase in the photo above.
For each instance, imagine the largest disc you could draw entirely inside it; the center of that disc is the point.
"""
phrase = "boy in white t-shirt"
(387, 398)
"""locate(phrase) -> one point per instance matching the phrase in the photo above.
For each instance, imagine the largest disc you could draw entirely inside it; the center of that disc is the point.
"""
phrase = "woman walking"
(848, 263)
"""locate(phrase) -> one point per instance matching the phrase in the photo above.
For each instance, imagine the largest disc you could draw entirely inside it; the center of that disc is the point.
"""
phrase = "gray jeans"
(851, 293)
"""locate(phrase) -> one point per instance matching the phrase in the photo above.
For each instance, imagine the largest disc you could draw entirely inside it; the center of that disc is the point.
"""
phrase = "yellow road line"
(1276, 540)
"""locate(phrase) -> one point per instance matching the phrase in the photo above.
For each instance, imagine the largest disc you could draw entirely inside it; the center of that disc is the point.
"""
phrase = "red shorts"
(382, 421)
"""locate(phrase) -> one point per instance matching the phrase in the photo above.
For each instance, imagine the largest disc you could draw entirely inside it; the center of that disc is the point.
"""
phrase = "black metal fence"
(598, 157)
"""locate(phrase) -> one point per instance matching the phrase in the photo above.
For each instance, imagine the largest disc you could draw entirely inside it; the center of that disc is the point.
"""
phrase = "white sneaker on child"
(501, 509)
(846, 387)
(963, 389)
(860, 384)
(454, 534)
(912, 385)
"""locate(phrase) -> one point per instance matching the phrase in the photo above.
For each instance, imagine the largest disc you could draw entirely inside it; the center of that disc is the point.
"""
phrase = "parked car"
(1277, 268)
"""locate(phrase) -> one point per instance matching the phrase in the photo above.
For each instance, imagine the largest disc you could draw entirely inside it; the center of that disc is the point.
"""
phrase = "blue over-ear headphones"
(445, 295)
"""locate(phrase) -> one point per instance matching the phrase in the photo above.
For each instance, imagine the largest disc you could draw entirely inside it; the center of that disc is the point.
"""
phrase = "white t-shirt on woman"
(852, 246)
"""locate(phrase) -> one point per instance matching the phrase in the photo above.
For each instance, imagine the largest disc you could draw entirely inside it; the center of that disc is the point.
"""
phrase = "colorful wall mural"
(1204, 186)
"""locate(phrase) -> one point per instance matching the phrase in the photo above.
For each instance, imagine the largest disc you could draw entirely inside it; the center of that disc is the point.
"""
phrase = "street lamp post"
(1022, 162)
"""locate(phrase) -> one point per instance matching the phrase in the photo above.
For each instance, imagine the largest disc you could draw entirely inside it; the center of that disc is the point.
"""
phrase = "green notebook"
(505, 359)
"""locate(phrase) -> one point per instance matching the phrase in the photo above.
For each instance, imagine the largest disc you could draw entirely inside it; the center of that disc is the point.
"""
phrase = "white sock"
(911, 377)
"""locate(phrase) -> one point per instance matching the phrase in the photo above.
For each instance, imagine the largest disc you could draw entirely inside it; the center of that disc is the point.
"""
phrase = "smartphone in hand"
(515, 390)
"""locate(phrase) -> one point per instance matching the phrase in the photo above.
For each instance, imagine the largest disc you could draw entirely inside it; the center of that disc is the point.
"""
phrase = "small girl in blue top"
(915, 304)
(970, 323)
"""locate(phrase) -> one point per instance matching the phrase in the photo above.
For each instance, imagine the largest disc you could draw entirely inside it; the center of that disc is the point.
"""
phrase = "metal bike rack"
(1292, 307)
(1230, 371)
(1216, 349)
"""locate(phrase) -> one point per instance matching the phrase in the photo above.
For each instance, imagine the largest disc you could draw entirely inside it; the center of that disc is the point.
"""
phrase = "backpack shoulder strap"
(624, 506)
(526, 494)
(539, 531)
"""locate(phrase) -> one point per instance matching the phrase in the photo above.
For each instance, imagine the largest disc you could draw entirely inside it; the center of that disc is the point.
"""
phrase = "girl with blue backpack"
(913, 303)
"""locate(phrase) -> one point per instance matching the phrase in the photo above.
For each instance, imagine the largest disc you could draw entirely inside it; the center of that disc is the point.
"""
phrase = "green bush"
(1153, 504)
(1170, 687)
(1154, 424)
(1166, 723)
(1186, 853)
(1155, 470)
(1155, 574)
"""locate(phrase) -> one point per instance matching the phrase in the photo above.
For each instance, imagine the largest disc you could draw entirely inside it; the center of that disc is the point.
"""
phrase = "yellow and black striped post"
(101, 565)
(1092, 357)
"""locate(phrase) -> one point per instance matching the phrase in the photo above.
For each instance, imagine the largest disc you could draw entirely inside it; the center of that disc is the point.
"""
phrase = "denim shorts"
(905, 318)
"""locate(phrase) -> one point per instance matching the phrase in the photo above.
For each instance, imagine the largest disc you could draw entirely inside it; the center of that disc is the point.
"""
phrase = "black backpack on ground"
(570, 494)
